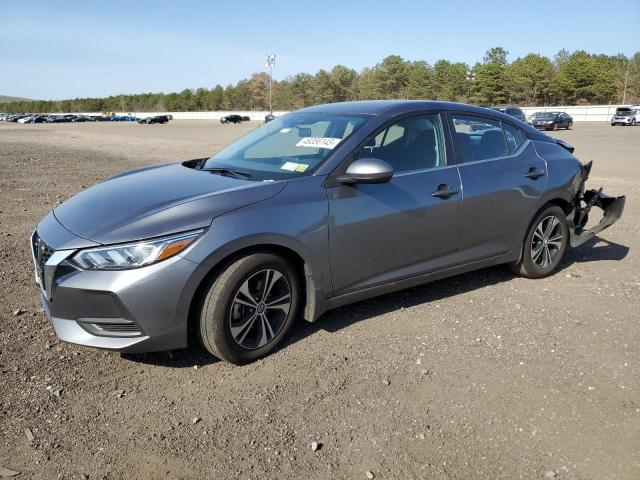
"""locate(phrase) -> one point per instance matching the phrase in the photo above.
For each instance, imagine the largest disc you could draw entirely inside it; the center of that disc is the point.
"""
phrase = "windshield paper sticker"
(295, 167)
(290, 166)
(319, 142)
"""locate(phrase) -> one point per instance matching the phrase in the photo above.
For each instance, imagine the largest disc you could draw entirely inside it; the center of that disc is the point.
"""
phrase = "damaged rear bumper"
(584, 202)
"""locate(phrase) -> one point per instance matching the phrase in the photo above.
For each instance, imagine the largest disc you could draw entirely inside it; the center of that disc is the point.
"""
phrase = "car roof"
(376, 107)
(395, 107)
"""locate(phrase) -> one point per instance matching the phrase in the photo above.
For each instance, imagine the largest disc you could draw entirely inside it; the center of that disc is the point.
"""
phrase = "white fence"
(587, 113)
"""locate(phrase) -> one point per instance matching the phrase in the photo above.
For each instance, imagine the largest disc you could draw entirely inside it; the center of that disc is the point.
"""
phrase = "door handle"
(534, 173)
(444, 191)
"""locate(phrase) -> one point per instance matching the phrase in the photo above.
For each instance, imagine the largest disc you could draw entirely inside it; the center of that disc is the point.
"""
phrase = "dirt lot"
(484, 375)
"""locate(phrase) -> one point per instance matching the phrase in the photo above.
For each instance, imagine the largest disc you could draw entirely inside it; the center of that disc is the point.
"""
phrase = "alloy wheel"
(259, 308)
(546, 242)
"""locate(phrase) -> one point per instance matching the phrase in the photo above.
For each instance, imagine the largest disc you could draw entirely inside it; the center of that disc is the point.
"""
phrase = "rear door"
(502, 179)
(380, 233)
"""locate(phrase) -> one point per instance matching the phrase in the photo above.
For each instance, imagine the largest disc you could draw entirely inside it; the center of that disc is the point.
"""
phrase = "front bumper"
(622, 120)
(138, 310)
(612, 208)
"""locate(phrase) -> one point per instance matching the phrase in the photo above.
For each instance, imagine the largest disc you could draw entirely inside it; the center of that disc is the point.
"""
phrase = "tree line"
(532, 80)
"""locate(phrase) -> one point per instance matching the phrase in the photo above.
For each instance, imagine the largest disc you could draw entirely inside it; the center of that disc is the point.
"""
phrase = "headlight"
(549, 122)
(134, 255)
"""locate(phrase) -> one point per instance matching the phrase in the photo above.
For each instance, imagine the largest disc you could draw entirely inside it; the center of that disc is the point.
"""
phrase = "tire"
(232, 322)
(554, 127)
(532, 264)
(633, 123)
(570, 126)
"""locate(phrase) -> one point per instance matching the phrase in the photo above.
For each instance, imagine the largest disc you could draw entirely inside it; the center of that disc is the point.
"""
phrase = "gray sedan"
(316, 209)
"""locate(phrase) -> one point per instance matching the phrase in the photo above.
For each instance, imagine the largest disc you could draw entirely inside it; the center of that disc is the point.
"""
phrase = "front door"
(380, 233)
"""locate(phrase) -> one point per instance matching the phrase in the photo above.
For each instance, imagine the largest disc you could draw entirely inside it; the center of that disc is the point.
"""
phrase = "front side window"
(290, 146)
(411, 144)
(478, 138)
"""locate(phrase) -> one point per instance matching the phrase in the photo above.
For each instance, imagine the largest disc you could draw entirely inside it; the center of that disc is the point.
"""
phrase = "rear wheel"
(544, 245)
(249, 308)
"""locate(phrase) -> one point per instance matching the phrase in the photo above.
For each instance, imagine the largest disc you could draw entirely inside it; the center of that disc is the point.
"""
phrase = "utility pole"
(471, 77)
(271, 61)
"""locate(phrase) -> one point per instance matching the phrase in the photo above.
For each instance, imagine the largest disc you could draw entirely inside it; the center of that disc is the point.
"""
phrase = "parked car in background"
(17, 117)
(233, 118)
(513, 111)
(553, 121)
(626, 116)
(65, 118)
(157, 119)
(39, 119)
(123, 118)
(26, 119)
(533, 116)
(322, 207)
(269, 117)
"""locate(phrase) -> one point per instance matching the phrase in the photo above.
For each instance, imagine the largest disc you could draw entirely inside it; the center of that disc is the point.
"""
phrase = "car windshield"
(623, 111)
(549, 115)
(290, 146)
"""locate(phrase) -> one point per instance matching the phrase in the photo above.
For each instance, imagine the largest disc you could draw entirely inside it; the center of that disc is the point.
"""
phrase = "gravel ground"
(483, 375)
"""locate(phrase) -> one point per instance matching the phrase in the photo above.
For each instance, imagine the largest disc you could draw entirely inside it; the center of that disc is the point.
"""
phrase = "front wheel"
(544, 245)
(249, 308)
(554, 127)
(570, 126)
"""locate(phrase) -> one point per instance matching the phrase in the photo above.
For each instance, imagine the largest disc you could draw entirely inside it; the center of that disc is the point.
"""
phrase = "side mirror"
(367, 170)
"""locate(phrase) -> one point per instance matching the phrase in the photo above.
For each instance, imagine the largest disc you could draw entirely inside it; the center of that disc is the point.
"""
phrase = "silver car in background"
(319, 208)
(626, 116)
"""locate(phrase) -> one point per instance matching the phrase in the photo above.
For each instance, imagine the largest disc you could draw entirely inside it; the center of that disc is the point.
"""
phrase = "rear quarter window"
(515, 137)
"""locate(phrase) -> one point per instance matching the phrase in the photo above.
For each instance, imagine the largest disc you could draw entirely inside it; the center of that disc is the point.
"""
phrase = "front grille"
(41, 251)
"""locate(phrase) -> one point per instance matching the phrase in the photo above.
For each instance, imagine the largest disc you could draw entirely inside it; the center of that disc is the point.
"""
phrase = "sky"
(69, 49)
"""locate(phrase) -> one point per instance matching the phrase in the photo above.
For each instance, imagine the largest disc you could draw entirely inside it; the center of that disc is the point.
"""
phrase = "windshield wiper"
(227, 171)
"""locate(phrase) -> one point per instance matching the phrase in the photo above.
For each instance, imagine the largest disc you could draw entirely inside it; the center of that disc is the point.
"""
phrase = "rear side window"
(515, 137)
(478, 138)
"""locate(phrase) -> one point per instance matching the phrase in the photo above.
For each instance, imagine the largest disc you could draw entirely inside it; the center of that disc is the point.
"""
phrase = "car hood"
(156, 201)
